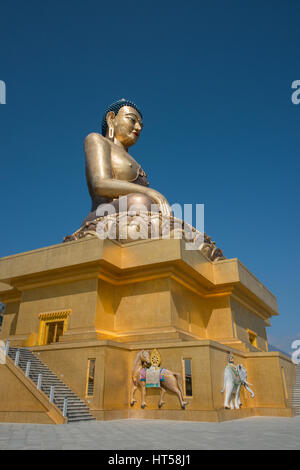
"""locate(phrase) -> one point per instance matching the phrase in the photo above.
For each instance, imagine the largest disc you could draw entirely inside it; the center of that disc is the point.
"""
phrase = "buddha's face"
(127, 125)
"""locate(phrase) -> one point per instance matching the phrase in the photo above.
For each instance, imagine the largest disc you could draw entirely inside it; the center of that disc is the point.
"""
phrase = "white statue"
(234, 378)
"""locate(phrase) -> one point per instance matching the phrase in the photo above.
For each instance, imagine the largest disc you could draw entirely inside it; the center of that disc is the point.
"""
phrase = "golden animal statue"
(171, 381)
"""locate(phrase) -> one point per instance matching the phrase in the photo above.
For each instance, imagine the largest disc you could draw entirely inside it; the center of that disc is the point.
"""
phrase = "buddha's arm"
(99, 174)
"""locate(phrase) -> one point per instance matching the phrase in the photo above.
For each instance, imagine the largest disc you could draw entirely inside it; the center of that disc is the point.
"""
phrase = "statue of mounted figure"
(168, 380)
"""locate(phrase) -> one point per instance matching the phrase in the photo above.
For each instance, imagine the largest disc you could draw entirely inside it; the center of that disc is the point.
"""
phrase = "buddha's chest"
(124, 166)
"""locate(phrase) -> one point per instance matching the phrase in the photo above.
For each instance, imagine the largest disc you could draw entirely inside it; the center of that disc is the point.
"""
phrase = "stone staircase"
(296, 396)
(76, 408)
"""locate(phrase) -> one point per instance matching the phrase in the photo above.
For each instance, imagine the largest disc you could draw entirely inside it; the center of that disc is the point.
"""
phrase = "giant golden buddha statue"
(110, 170)
(112, 173)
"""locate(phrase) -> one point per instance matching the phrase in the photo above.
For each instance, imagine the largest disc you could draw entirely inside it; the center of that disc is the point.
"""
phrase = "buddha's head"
(122, 121)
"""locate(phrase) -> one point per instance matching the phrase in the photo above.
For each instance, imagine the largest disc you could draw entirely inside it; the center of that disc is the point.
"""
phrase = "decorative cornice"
(56, 315)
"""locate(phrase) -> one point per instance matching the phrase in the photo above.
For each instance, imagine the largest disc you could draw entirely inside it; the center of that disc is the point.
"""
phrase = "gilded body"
(111, 171)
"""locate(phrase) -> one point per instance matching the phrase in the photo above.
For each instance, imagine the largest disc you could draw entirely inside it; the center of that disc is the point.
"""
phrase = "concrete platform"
(251, 433)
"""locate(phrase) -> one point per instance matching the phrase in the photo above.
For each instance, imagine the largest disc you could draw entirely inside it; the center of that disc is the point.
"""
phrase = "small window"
(187, 368)
(52, 326)
(252, 338)
(53, 331)
(90, 377)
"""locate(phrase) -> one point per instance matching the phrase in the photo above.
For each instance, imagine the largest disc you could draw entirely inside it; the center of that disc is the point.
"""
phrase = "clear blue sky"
(213, 80)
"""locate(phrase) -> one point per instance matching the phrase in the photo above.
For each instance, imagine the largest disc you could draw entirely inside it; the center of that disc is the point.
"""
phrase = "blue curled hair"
(115, 107)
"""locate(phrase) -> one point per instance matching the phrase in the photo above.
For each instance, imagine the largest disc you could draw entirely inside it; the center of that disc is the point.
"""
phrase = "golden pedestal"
(105, 301)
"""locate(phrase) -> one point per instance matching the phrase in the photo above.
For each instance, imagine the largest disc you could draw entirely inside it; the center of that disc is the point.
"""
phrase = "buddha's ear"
(109, 118)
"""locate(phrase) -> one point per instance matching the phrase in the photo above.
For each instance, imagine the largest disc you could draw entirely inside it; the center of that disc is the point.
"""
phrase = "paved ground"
(250, 433)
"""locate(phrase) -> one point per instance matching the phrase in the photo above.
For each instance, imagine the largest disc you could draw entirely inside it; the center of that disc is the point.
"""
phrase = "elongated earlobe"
(111, 132)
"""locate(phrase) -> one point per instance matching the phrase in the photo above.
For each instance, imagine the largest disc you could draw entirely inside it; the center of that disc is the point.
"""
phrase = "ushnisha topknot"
(115, 107)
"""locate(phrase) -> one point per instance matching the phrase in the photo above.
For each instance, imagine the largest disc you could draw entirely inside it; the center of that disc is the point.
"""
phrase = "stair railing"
(40, 378)
(17, 357)
(7, 347)
(27, 368)
(65, 408)
(51, 397)
(39, 382)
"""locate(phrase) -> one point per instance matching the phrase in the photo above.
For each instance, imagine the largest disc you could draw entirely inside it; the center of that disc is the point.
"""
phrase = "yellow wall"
(156, 294)
(10, 320)
(143, 305)
(80, 297)
(245, 319)
(114, 368)
(188, 310)
(264, 371)
(219, 324)
(20, 402)
(14, 397)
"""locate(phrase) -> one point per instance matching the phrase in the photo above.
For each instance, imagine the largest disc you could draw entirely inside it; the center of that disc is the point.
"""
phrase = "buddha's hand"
(161, 201)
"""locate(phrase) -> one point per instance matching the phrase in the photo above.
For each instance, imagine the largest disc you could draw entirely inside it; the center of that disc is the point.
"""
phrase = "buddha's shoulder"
(95, 138)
